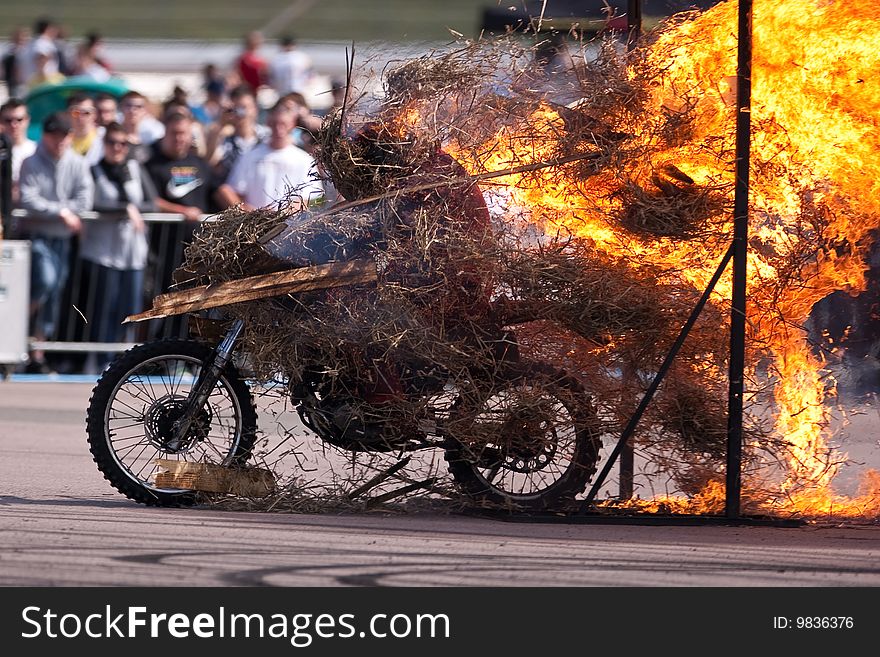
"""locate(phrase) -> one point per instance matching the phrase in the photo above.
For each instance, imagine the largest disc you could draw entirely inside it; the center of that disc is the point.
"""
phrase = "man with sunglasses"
(14, 122)
(87, 136)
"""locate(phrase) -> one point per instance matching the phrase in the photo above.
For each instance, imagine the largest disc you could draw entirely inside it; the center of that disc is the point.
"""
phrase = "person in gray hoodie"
(55, 188)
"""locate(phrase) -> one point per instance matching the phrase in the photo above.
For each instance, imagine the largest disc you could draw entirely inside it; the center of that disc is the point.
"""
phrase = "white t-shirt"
(150, 130)
(41, 45)
(19, 152)
(96, 151)
(263, 176)
(290, 70)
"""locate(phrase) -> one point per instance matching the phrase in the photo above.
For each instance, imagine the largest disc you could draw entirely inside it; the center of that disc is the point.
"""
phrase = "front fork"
(206, 382)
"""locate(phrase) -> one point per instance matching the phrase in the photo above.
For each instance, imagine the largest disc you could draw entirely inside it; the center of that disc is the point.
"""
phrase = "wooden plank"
(212, 478)
(299, 274)
(251, 288)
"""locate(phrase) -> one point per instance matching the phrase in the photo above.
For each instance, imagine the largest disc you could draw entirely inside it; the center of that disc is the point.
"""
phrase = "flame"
(816, 112)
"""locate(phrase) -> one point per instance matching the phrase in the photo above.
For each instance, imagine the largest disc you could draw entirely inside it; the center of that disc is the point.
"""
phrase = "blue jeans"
(50, 266)
(118, 294)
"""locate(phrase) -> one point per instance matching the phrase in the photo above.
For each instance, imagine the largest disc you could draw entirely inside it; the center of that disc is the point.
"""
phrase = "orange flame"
(815, 112)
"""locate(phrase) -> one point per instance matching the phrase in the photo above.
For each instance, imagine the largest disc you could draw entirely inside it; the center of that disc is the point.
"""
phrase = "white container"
(15, 275)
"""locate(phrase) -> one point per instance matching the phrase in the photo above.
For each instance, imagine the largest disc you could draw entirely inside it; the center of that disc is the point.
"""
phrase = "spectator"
(236, 133)
(41, 53)
(90, 61)
(55, 189)
(87, 135)
(211, 109)
(44, 73)
(143, 129)
(67, 54)
(183, 179)
(13, 67)
(291, 69)
(273, 172)
(179, 96)
(214, 88)
(251, 66)
(108, 109)
(177, 105)
(114, 248)
(14, 122)
(306, 125)
(184, 185)
(210, 75)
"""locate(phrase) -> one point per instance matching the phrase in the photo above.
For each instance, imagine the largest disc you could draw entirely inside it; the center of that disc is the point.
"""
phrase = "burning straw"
(608, 215)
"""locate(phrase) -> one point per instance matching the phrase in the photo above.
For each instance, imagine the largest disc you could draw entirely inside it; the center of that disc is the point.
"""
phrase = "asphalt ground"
(61, 524)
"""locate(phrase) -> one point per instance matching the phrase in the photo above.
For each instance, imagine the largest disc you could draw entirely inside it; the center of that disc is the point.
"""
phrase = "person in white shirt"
(275, 172)
(291, 69)
(14, 122)
(42, 45)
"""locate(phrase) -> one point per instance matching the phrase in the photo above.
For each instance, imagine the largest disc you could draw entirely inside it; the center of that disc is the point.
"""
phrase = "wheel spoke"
(149, 461)
(139, 437)
(493, 472)
(128, 426)
(139, 384)
(535, 426)
(135, 459)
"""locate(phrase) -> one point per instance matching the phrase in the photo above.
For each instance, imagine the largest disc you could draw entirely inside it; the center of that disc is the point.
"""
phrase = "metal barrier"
(168, 236)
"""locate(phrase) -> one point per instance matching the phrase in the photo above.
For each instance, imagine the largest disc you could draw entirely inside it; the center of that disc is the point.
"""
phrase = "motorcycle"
(514, 433)
(518, 434)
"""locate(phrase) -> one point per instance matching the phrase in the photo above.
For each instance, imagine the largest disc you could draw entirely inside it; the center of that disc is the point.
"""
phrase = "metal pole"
(627, 454)
(5, 186)
(740, 259)
(661, 373)
(633, 23)
(628, 451)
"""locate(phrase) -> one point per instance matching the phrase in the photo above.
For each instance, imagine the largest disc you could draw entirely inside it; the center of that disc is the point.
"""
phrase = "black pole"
(5, 186)
(633, 23)
(740, 257)
(626, 479)
(661, 373)
(627, 454)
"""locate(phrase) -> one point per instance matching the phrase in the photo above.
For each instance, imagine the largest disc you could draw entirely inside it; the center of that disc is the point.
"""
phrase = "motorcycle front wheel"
(529, 441)
(134, 406)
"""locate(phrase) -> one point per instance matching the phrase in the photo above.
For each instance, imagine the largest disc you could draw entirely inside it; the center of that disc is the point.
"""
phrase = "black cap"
(57, 123)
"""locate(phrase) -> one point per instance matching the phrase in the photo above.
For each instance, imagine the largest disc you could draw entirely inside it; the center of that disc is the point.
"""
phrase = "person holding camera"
(236, 133)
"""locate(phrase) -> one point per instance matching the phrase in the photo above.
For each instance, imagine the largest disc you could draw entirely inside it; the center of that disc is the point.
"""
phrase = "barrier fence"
(168, 235)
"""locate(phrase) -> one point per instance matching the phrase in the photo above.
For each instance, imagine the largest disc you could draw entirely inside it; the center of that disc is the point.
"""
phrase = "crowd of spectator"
(47, 56)
(127, 156)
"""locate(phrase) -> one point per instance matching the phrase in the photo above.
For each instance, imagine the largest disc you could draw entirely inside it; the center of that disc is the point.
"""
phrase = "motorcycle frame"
(207, 380)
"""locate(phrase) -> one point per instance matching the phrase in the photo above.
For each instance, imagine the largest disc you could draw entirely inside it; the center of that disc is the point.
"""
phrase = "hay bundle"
(673, 207)
(450, 280)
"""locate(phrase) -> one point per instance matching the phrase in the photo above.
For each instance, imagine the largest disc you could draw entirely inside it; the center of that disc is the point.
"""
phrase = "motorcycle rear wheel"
(134, 405)
(531, 443)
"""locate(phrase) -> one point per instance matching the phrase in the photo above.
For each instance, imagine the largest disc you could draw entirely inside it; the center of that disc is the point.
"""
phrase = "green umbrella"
(47, 98)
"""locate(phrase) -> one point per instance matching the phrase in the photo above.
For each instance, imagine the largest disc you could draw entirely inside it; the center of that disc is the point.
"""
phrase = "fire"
(815, 112)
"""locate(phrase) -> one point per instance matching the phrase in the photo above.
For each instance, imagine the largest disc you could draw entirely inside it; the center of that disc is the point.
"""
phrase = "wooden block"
(212, 478)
